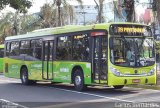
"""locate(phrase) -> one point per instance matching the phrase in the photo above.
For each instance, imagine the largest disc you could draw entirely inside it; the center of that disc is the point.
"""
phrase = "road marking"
(9, 104)
(90, 94)
(85, 93)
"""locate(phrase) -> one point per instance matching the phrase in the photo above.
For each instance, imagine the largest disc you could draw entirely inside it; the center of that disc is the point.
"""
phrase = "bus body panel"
(1, 57)
(61, 71)
(13, 67)
(129, 80)
(35, 70)
(1, 64)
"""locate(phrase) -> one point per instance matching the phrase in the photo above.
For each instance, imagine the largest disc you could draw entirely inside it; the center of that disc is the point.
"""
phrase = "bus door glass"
(47, 70)
(99, 57)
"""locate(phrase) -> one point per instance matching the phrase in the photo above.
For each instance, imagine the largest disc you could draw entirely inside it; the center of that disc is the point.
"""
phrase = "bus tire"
(32, 82)
(24, 76)
(78, 80)
(118, 87)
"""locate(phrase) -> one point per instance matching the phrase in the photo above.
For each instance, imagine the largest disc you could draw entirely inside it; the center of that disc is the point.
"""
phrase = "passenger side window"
(37, 46)
(81, 47)
(8, 48)
(26, 48)
(64, 48)
(74, 47)
(14, 49)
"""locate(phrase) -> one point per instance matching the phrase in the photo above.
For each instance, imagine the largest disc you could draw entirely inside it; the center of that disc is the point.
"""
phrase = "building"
(86, 15)
(89, 13)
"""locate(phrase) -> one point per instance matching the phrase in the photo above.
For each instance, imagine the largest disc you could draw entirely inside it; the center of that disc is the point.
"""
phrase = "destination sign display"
(130, 30)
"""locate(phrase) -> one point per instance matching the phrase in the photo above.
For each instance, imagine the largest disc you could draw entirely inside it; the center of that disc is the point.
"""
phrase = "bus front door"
(99, 59)
(47, 63)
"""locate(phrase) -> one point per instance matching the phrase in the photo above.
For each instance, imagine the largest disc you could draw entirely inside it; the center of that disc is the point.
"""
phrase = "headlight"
(151, 72)
(115, 71)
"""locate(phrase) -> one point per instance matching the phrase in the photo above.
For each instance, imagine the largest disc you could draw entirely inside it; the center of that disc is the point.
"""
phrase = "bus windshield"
(132, 52)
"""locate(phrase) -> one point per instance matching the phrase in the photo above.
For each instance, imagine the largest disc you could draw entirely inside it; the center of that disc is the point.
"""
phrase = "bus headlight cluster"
(151, 72)
(115, 71)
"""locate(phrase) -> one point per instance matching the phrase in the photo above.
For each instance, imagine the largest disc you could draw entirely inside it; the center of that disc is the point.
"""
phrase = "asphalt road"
(45, 95)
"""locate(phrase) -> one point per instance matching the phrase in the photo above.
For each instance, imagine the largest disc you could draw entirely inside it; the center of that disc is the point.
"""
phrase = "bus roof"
(64, 29)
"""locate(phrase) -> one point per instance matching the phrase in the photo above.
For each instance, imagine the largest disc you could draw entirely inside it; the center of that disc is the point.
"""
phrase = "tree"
(47, 17)
(67, 14)
(156, 15)
(47, 14)
(100, 5)
(6, 25)
(29, 23)
(129, 8)
(157, 43)
(156, 5)
(117, 10)
(58, 4)
(20, 5)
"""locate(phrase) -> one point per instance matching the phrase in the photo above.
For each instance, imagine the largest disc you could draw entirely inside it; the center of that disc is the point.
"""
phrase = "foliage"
(158, 10)
(50, 18)
(129, 8)
(157, 44)
(47, 14)
(6, 25)
(16, 23)
(20, 5)
(29, 23)
(61, 14)
(158, 47)
(100, 5)
(117, 11)
(67, 14)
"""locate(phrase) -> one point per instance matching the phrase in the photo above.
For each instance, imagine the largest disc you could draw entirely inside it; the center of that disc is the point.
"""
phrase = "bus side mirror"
(111, 43)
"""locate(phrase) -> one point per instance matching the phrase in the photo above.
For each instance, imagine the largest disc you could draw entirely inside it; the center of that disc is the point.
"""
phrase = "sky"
(39, 3)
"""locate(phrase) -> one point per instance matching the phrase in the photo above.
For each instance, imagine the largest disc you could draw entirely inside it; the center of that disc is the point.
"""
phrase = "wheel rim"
(24, 76)
(78, 80)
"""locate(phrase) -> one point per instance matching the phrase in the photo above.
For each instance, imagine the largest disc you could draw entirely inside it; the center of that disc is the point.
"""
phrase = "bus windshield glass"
(132, 46)
(134, 52)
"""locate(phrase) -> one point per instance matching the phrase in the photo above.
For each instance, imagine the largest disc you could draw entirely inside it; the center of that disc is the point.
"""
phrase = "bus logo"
(136, 71)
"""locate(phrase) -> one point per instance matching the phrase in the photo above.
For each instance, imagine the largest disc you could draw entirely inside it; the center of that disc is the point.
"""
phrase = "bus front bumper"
(143, 80)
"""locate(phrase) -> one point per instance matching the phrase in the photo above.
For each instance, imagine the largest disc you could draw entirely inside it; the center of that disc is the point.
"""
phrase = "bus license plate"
(136, 81)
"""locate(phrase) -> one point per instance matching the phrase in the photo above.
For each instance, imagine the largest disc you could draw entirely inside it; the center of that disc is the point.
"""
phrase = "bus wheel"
(79, 80)
(118, 87)
(24, 76)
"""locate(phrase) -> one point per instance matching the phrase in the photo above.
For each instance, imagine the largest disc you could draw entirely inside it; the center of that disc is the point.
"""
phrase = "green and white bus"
(1, 57)
(111, 54)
